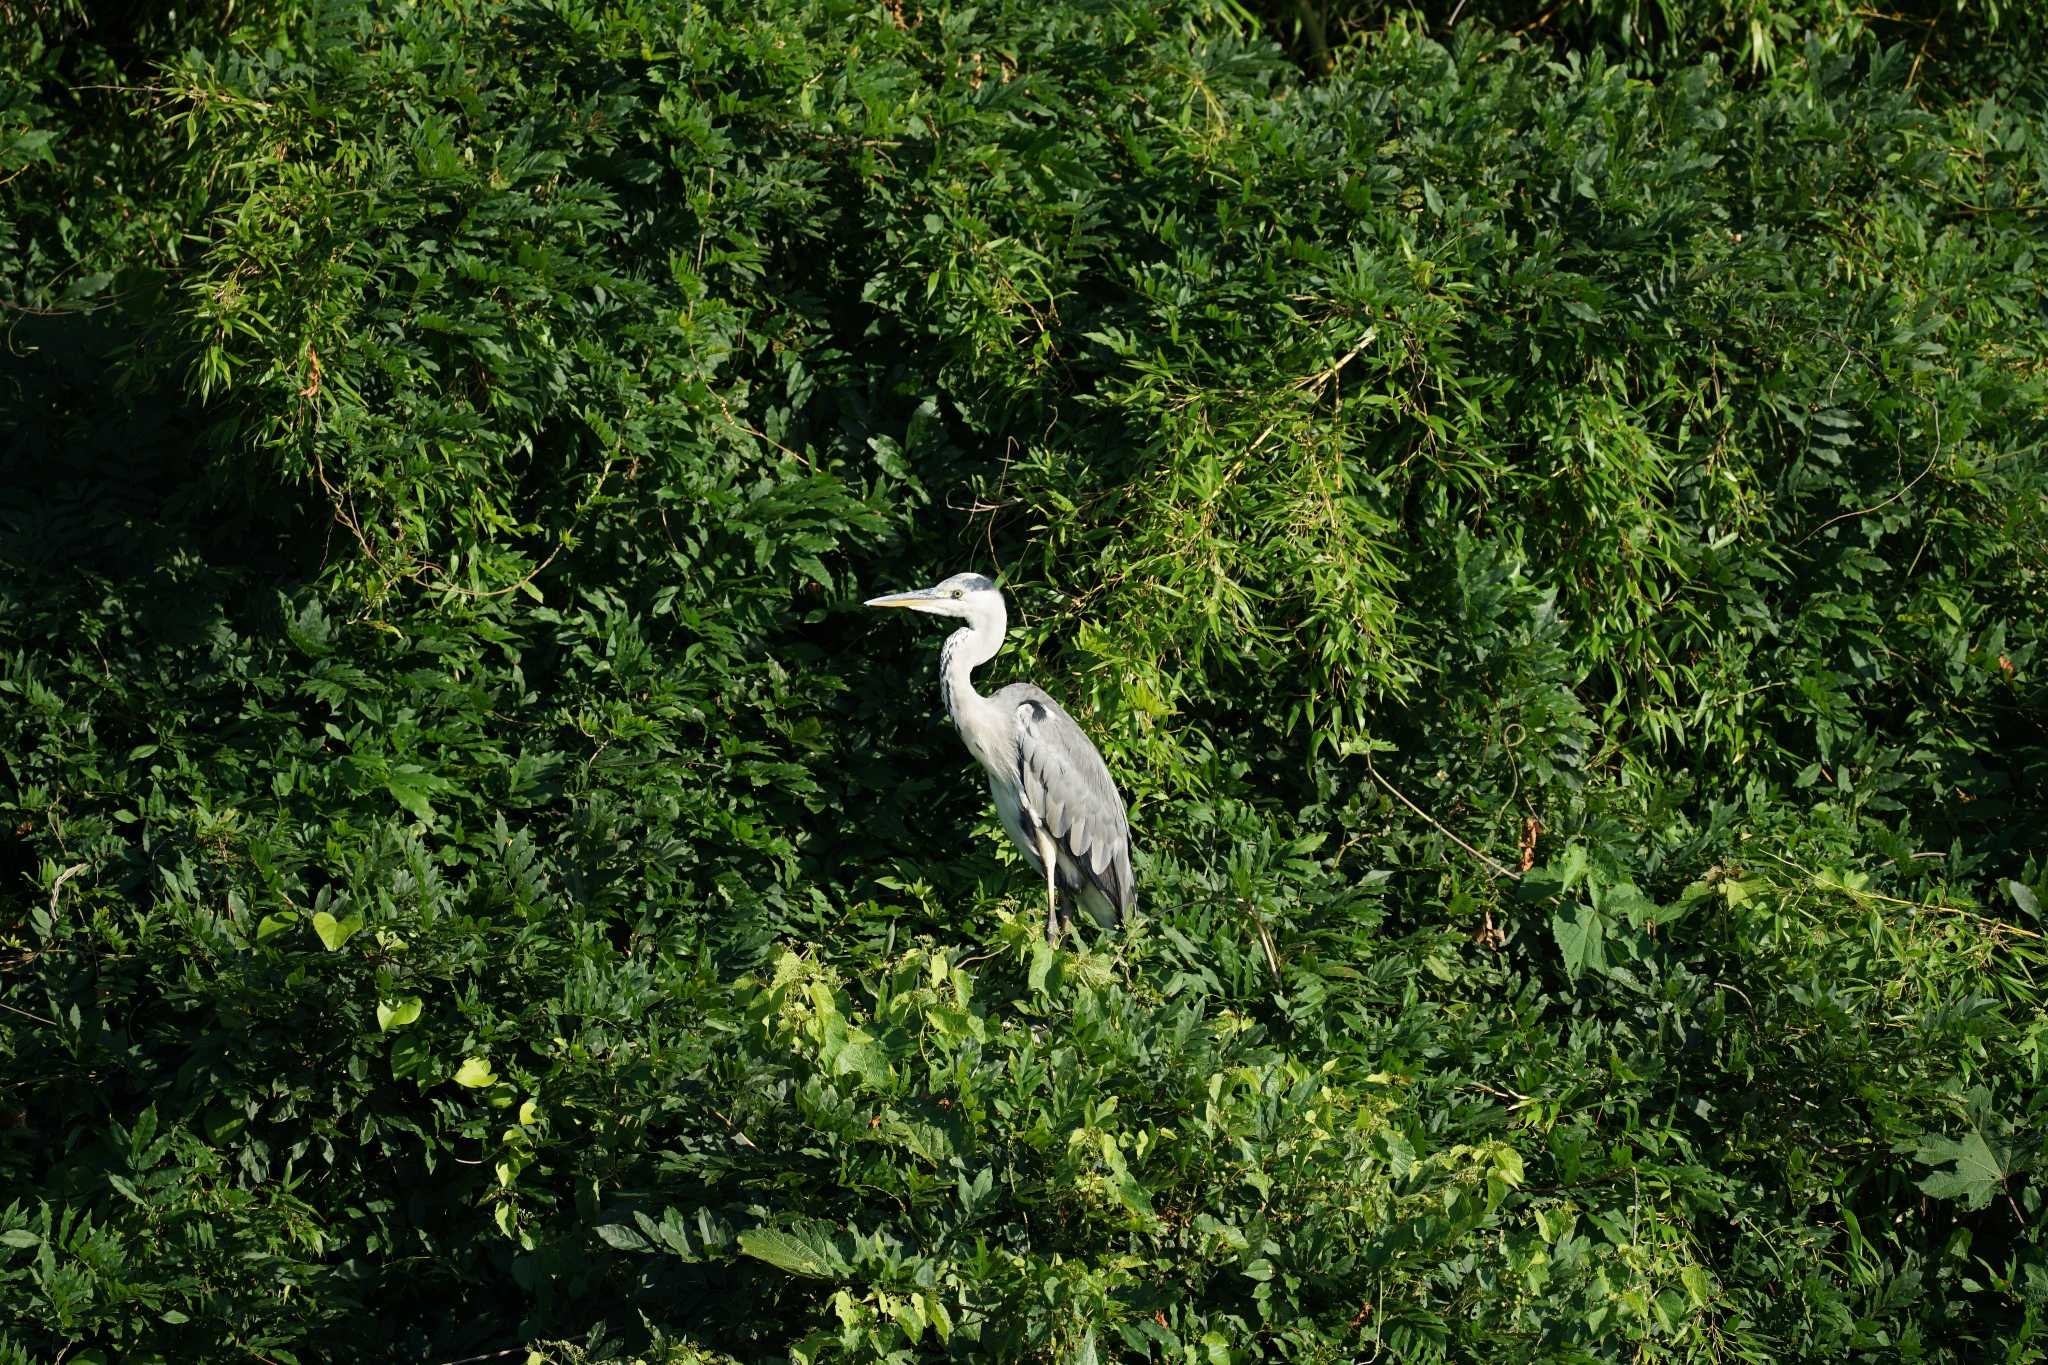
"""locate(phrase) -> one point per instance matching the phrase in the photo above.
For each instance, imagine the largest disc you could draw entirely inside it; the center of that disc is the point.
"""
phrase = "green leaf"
(19, 1237)
(396, 1014)
(1043, 957)
(622, 1237)
(812, 1254)
(1977, 1175)
(412, 1058)
(475, 1073)
(412, 785)
(1581, 936)
(1626, 900)
(333, 932)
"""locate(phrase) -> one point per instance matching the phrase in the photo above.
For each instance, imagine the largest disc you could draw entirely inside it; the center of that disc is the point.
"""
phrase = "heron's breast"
(996, 752)
(1011, 812)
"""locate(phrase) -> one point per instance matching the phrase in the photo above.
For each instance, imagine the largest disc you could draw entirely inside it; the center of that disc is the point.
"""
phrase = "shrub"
(1547, 530)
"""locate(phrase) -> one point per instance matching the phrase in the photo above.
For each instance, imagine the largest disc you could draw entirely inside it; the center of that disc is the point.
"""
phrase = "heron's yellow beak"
(901, 599)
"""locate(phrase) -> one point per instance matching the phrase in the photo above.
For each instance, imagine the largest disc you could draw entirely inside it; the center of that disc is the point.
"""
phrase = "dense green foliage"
(1550, 530)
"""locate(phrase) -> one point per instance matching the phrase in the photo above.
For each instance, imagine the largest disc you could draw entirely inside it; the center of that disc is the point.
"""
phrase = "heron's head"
(967, 595)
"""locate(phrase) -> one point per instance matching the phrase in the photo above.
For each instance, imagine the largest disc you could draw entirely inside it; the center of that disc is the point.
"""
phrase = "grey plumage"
(1051, 788)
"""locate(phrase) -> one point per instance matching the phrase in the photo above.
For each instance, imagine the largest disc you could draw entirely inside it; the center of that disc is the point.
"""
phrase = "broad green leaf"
(412, 786)
(811, 1254)
(475, 1073)
(396, 1014)
(1582, 938)
(1043, 957)
(622, 1237)
(333, 932)
(1624, 899)
(1975, 1177)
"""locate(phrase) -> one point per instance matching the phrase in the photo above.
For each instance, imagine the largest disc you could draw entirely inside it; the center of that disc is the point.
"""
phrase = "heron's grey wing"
(1066, 787)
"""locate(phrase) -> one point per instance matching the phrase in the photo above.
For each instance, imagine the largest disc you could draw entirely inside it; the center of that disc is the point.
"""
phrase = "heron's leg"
(1052, 897)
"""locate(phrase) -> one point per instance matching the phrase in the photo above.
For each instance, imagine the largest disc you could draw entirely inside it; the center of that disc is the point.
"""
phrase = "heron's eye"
(958, 593)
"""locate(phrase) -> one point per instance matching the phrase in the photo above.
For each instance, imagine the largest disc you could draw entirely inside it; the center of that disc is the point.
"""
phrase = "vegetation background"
(1542, 505)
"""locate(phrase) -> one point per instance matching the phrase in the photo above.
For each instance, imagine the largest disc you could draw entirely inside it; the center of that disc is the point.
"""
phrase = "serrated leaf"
(1627, 900)
(1581, 937)
(1977, 1174)
(813, 1255)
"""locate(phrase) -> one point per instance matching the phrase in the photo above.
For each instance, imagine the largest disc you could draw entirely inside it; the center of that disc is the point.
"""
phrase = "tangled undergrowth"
(1543, 512)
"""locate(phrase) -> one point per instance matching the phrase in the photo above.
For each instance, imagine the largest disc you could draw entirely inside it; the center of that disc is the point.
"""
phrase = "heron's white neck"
(966, 650)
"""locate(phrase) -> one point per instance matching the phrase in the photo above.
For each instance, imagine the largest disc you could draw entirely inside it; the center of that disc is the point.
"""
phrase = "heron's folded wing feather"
(1066, 785)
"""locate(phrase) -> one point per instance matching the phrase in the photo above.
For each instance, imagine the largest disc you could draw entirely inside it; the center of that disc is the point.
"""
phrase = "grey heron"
(1051, 787)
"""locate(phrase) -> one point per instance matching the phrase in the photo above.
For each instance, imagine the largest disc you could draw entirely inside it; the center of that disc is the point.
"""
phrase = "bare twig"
(62, 877)
(737, 1136)
(508, 1351)
(1513, 1097)
(1825, 883)
(1932, 461)
(26, 1015)
(1730, 986)
(1510, 874)
(1265, 942)
(500, 592)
